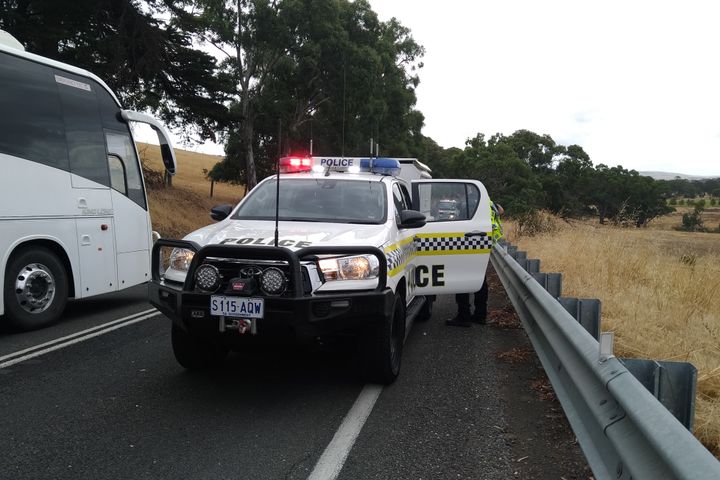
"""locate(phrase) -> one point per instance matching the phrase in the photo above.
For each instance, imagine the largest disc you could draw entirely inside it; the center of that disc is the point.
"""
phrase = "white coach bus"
(74, 218)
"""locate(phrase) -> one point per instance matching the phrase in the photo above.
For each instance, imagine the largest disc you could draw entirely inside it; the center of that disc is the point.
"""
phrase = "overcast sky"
(635, 83)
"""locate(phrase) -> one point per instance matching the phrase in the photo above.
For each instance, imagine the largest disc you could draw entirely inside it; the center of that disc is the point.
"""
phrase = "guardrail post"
(552, 282)
(586, 311)
(672, 383)
(532, 265)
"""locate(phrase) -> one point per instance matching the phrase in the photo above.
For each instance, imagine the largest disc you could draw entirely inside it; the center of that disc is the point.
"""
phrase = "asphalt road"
(470, 403)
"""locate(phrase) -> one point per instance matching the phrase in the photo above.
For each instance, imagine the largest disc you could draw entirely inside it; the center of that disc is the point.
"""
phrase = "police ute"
(329, 246)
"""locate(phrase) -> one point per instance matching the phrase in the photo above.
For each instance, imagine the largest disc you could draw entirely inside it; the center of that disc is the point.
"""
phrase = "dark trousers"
(481, 298)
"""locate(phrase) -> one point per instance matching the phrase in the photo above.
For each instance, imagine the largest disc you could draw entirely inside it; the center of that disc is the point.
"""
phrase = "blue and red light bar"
(298, 164)
(295, 164)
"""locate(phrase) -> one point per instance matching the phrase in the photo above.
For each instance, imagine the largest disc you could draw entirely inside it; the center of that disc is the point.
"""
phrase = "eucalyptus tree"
(327, 69)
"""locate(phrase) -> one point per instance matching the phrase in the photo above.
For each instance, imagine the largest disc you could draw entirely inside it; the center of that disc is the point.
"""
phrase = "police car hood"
(292, 235)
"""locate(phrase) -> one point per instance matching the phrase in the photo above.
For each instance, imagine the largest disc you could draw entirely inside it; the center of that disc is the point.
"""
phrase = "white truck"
(353, 252)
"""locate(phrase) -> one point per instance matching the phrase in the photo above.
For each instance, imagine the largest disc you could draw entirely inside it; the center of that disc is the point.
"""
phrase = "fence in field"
(633, 418)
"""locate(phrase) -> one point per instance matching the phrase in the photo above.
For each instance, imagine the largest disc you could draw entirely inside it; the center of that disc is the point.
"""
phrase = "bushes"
(535, 223)
(692, 222)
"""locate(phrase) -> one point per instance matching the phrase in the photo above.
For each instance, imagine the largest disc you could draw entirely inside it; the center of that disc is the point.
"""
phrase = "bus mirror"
(166, 150)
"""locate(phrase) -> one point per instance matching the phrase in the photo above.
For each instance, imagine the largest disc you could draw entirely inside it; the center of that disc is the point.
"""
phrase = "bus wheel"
(35, 289)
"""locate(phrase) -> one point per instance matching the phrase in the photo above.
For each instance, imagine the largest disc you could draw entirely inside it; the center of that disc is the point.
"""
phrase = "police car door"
(452, 250)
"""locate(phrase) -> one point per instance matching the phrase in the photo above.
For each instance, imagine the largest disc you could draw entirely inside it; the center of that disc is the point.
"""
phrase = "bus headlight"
(358, 267)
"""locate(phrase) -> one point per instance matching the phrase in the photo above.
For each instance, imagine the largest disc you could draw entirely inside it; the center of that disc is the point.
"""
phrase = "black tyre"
(426, 311)
(382, 347)
(194, 354)
(36, 289)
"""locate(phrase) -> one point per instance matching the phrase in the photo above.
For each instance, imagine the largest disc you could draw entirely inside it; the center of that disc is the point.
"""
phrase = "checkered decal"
(400, 255)
(442, 244)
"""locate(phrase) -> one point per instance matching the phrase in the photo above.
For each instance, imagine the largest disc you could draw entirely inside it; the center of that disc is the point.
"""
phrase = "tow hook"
(242, 325)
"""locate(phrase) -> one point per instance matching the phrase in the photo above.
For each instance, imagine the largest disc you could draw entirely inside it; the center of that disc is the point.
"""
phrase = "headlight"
(180, 259)
(358, 267)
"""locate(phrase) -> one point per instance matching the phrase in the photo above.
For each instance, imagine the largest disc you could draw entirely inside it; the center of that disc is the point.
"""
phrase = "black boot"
(462, 319)
(479, 318)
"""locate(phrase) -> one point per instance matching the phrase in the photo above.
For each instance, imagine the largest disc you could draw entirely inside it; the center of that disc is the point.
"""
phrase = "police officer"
(479, 316)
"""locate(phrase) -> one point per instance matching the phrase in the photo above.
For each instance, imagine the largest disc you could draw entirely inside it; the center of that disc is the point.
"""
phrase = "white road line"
(76, 334)
(334, 456)
(76, 338)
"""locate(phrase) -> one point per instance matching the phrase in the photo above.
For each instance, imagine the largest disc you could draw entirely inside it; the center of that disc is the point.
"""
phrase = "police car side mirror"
(411, 219)
(220, 212)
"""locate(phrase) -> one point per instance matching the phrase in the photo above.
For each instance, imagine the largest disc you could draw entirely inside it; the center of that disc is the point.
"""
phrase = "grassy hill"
(184, 207)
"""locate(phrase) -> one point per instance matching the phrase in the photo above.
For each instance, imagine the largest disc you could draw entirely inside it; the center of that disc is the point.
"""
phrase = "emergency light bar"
(382, 166)
(295, 164)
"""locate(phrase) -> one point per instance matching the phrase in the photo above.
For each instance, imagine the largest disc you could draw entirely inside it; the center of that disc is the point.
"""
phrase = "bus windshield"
(317, 200)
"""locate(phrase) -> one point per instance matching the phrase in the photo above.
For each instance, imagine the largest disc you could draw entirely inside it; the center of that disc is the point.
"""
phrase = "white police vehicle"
(356, 253)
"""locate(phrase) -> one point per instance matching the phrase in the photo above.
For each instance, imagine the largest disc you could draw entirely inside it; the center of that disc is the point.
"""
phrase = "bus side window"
(31, 123)
(117, 174)
(83, 129)
(120, 146)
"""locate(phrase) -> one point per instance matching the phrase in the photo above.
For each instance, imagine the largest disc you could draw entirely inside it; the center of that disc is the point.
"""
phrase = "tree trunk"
(246, 134)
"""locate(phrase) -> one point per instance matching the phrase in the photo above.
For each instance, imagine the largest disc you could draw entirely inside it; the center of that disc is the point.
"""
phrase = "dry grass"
(184, 207)
(190, 175)
(660, 293)
(711, 218)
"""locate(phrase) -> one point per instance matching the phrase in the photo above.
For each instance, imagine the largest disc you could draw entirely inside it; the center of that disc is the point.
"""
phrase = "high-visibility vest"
(496, 225)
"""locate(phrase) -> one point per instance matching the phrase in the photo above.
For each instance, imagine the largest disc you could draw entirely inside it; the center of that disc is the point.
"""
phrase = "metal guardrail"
(624, 432)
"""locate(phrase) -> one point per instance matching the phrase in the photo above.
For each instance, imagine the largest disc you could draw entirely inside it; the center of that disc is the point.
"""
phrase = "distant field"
(660, 293)
(184, 207)
(711, 218)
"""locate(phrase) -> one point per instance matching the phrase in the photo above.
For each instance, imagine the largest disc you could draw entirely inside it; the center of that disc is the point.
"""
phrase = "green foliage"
(673, 201)
(326, 70)
(693, 222)
(681, 201)
(693, 188)
(713, 202)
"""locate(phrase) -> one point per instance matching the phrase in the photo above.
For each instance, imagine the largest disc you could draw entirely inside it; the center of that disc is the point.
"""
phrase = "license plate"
(244, 307)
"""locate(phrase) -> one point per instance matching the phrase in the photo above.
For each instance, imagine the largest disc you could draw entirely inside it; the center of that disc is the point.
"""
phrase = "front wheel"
(195, 354)
(35, 290)
(382, 346)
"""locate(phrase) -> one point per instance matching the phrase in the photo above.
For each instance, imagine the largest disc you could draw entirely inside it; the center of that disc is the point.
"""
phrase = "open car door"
(452, 250)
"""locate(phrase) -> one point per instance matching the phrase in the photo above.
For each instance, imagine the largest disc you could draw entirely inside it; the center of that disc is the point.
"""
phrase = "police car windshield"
(317, 200)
